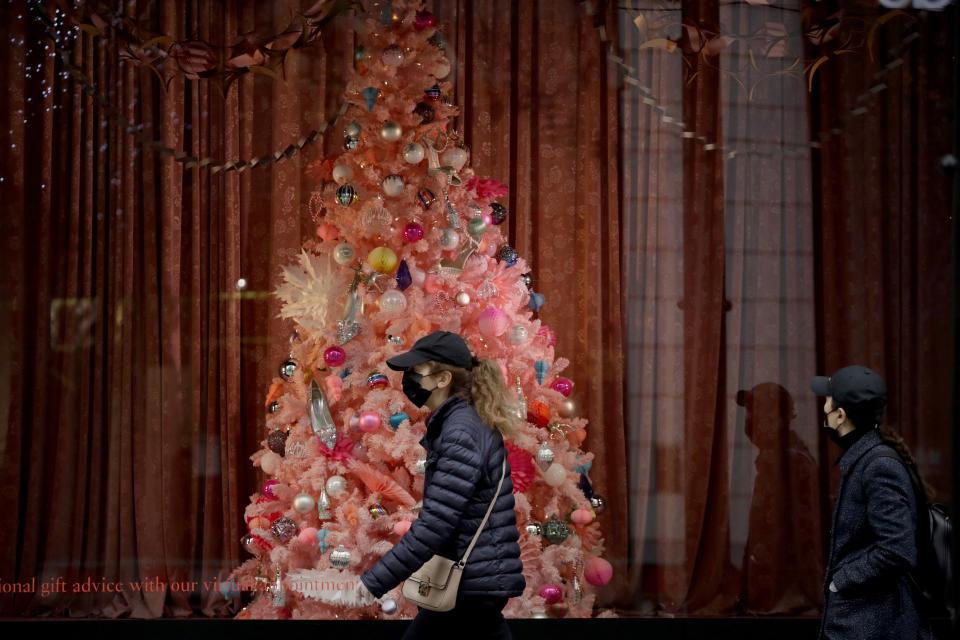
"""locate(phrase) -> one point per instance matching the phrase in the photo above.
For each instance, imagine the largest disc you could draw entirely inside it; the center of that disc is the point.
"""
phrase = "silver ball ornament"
(343, 254)
(518, 334)
(388, 606)
(303, 503)
(391, 131)
(287, 369)
(544, 456)
(533, 529)
(340, 558)
(463, 298)
(342, 173)
(598, 502)
(449, 239)
(336, 485)
(413, 153)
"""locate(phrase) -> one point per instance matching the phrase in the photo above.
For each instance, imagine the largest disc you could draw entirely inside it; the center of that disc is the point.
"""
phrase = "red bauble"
(334, 356)
(539, 414)
(562, 385)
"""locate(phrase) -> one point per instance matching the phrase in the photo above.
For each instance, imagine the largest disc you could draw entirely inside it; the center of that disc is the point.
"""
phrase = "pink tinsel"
(487, 188)
(522, 471)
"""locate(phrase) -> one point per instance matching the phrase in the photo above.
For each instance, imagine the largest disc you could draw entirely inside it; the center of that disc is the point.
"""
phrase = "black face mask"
(833, 434)
(412, 389)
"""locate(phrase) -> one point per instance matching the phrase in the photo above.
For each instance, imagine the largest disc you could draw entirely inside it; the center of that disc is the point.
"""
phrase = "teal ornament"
(321, 540)
(346, 371)
(370, 95)
(359, 53)
(536, 301)
(230, 589)
(583, 468)
(476, 226)
(346, 195)
(541, 366)
(398, 418)
(555, 530)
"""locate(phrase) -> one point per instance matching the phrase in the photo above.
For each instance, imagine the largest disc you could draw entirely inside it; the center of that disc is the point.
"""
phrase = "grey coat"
(872, 549)
(464, 458)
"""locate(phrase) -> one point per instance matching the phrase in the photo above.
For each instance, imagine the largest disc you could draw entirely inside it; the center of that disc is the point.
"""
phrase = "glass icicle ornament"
(323, 504)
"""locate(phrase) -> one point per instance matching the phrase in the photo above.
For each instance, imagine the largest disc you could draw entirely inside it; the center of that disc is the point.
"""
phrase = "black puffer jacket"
(463, 468)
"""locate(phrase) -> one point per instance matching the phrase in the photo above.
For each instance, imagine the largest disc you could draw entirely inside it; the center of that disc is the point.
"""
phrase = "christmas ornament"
(555, 475)
(323, 505)
(393, 185)
(342, 173)
(353, 130)
(377, 380)
(568, 409)
(438, 41)
(283, 528)
(249, 543)
(354, 422)
(551, 593)
(348, 328)
(476, 226)
(351, 143)
(392, 300)
(538, 413)
(536, 301)
(390, 131)
(346, 195)
(507, 254)
(521, 401)
(563, 386)
(453, 218)
(598, 502)
(382, 259)
(498, 213)
(527, 279)
(533, 529)
(449, 239)
(278, 590)
(581, 516)
(558, 610)
(582, 468)
(334, 356)
(585, 487)
(413, 153)
(454, 157)
(369, 421)
(544, 456)
(424, 20)
(288, 368)
(597, 572)
(577, 590)
(274, 407)
(412, 231)
(343, 254)
(303, 503)
(397, 419)
(267, 489)
(392, 56)
(493, 322)
(555, 530)
(487, 290)
(518, 334)
(322, 540)
(395, 340)
(359, 53)
(320, 419)
(432, 94)
(377, 511)
(370, 97)
(388, 606)
(541, 367)
(426, 198)
(336, 485)
(426, 112)
(463, 298)
(421, 465)
(538, 614)
(270, 462)
(340, 558)
(277, 441)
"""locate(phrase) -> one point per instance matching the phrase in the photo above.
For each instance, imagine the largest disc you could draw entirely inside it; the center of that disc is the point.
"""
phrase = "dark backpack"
(933, 577)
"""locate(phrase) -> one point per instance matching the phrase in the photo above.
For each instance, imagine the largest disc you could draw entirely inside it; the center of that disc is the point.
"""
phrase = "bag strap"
(503, 473)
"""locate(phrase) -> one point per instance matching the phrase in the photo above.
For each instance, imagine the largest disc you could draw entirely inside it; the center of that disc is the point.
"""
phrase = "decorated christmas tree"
(408, 242)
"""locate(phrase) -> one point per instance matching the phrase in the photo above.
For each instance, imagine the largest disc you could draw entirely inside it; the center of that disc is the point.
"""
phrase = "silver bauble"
(544, 456)
(391, 131)
(388, 606)
(340, 558)
(336, 485)
(274, 407)
(303, 503)
(518, 334)
(287, 369)
(533, 528)
(342, 173)
(598, 502)
(450, 239)
(343, 254)
(413, 153)
(421, 465)
(248, 542)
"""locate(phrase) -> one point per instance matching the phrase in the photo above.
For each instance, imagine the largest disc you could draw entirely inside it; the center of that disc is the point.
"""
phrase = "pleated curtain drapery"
(137, 360)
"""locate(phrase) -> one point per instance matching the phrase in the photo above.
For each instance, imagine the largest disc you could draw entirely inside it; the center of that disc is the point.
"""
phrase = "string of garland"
(859, 108)
(189, 161)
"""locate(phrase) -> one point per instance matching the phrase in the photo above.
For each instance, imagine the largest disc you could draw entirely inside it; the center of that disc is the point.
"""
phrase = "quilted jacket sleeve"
(892, 517)
(459, 466)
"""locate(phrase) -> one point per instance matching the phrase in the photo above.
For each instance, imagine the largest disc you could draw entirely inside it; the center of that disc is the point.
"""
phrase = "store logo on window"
(930, 5)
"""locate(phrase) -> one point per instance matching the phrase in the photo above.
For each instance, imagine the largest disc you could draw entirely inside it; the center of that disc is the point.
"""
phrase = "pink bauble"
(402, 527)
(551, 593)
(369, 421)
(269, 463)
(493, 322)
(562, 385)
(412, 232)
(308, 536)
(598, 572)
(268, 486)
(424, 20)
(581, 516)
(334, 356)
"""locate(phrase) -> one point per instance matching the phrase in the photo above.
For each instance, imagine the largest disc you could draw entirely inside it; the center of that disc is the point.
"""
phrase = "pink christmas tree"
(408, 243)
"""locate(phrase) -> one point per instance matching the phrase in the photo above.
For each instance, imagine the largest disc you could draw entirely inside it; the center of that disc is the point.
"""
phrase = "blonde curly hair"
(483, 387)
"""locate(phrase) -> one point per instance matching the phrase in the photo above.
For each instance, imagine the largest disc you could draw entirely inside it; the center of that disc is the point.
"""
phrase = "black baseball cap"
(851, 386)
(439, 346)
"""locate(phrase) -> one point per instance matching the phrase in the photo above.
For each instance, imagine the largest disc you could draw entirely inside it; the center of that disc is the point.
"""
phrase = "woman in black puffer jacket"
(465, 453)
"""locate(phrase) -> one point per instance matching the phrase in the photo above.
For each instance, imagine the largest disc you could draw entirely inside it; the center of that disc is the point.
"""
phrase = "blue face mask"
(412, 388)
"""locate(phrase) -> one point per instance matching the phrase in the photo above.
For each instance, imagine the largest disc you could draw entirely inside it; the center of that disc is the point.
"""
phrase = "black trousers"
(473, 618)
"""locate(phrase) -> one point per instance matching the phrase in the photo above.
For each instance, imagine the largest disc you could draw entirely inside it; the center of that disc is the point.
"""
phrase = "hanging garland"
(185, 56)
